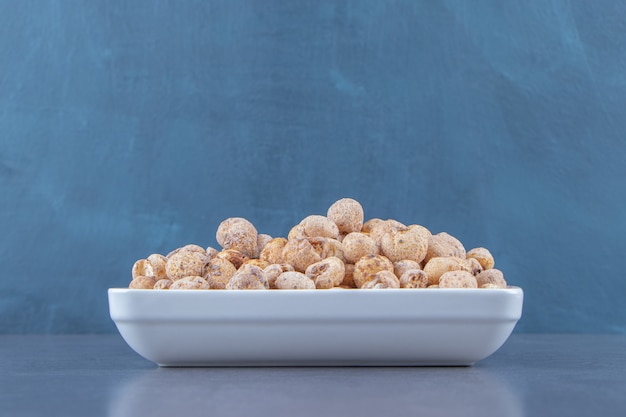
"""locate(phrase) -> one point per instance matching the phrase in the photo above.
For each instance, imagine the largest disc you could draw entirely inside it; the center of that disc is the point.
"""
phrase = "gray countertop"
(99, 375)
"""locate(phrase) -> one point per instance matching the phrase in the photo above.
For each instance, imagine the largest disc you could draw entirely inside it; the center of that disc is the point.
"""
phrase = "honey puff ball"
(368, 266)
(411, 244)
(458, 279)
(357, 245)
(326, 273)
(249, 277)
(292, 280)
(239, 234)
(347, 214)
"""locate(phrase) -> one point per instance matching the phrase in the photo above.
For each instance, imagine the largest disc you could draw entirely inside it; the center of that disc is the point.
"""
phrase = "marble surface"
(99, 375)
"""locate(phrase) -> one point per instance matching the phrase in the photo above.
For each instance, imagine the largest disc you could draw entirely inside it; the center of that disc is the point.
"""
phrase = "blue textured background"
(128, 128)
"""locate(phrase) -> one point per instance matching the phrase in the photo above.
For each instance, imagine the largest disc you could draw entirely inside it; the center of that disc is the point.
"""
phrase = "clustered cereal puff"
(338, 250)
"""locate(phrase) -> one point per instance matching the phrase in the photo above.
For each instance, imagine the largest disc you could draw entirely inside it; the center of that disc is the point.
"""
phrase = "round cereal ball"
(234, 257)
(326, 273)
(187, 248)
(190, 283)
(414, 278)
(321, 245)
(382, 280)
(483, 256)
(457, 279)
(388, 226)
(142, 268)
(319, 226)
(347, 214)
(410, 244)
(163, 284)
(368, 266)
(274, 271)
(357, 245)
(292, 280)
(142, 283)
(437, 266)
(239, 234)
(400, 267)
(473, 266)
(218, 273)
(248, 277)
(272, 252)
(296, 232)
(299, 253)
(371, 224)
(442, 244)
(491, 276)
(184, 264)
(157, 262)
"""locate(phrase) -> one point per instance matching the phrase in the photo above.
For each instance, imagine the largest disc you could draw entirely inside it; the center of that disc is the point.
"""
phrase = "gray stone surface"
(98, 375)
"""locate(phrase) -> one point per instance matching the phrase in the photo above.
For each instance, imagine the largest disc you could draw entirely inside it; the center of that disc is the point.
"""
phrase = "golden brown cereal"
(347, 214)
(218, 272)
(439, 265)
(249, 277)
(357, 245)
(371, 224)
(321, 245)
(483, 256)
(319, 226)
(158, 263)
(239, 234)
(273, 271)
(368, 266)
(414, 278)
(190, 283)
(379, 229)
(348, 278)
(473, 266)
(327, 273)
(296, 232)
(299, 253)
(142, 283)
(163, 284)
(457, 279)
(491, 286)
(491, 276)
(292, 280)
(185, 263)
(234, 257)
(273, 250)
(401, 244)
(262, 240)
(188, 248)
(443, 244)
(381, 280)
(142, 268)
(338, 250)
(400, 267)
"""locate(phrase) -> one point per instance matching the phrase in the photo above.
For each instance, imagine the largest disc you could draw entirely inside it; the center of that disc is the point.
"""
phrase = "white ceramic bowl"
(395, 327)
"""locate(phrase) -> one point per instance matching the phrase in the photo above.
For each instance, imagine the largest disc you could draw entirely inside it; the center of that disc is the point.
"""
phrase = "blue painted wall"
(128, 128)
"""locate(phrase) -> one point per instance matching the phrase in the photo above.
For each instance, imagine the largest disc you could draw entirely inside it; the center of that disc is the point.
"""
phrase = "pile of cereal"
(321, 252)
